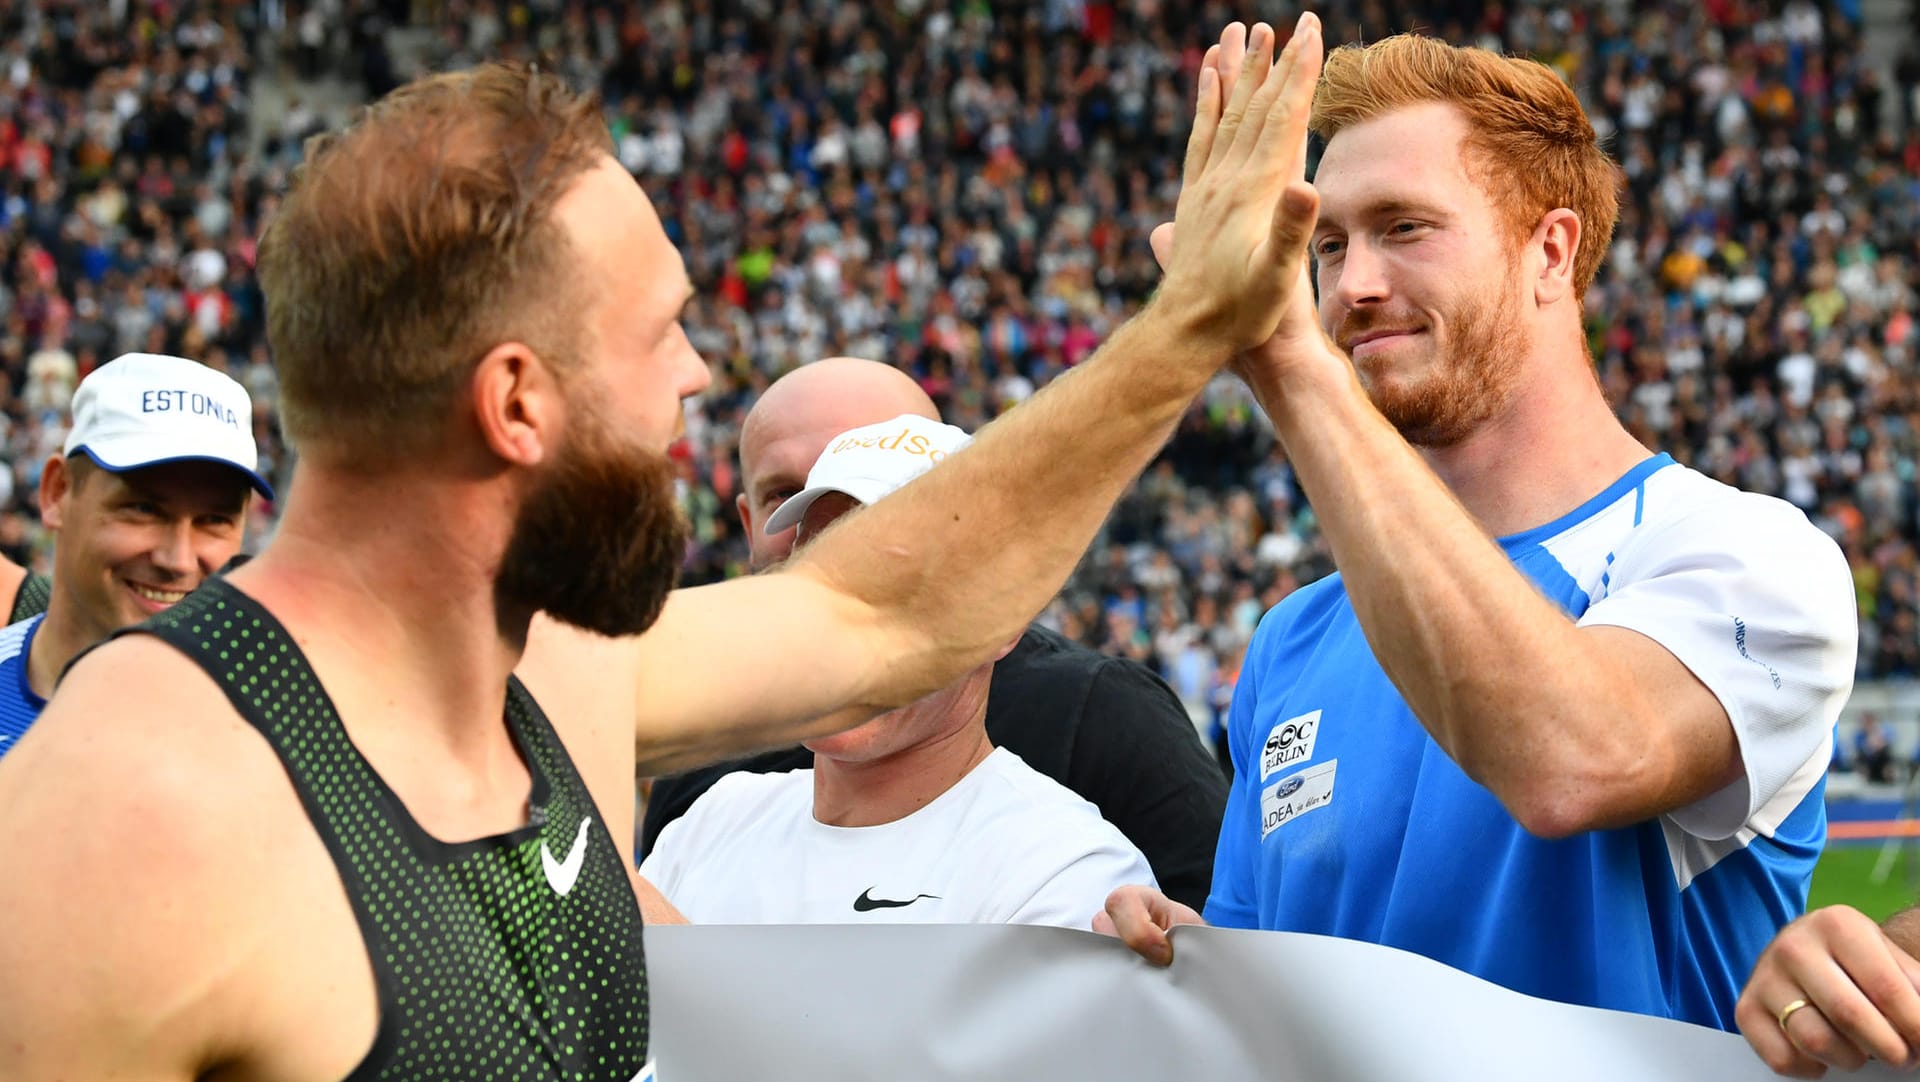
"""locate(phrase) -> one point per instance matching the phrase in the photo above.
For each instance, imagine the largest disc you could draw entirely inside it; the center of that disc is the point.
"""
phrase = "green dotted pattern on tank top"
(491, 973)
(32, 597)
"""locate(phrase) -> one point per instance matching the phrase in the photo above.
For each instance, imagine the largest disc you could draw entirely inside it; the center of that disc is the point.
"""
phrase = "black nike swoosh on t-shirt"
(867, 902)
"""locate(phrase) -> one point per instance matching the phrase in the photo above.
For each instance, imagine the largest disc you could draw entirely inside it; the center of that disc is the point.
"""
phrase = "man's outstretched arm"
(901, 598)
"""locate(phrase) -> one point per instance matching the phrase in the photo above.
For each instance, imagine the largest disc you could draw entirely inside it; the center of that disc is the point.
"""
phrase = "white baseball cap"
(870, 461)
(145, 409)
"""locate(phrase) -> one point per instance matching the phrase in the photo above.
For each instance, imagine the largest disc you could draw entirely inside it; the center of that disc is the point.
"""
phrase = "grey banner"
(833, 1003)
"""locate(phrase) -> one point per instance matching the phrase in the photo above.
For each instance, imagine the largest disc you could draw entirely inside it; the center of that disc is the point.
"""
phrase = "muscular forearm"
(1497, 674)
(903, 597)
(960, 560)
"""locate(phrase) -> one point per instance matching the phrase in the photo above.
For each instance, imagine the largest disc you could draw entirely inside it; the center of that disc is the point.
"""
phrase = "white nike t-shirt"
(1005, 845)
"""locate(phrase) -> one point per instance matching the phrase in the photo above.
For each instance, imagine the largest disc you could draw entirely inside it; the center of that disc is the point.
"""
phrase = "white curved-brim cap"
(148, 409)
(871, 461)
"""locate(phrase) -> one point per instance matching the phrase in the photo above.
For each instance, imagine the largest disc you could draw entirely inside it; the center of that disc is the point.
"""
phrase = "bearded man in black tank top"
(363, 851)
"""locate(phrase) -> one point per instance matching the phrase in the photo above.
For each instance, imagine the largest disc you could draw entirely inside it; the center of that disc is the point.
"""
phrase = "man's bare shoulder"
(135, 715)
(730, 667)
(139, 764)
(560, 657)
(156, 854)
(585, 684)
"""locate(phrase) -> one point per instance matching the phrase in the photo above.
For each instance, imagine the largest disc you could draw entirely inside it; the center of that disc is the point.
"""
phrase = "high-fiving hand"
(1237, 256)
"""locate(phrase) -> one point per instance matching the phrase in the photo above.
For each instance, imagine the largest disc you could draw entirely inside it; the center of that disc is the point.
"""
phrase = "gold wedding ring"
(1786, 1012)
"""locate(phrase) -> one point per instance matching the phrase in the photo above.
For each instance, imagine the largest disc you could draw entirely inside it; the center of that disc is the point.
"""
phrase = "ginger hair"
(1530, 143)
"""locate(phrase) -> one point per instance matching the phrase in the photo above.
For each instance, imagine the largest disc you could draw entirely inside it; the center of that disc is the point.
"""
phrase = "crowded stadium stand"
(965, 189)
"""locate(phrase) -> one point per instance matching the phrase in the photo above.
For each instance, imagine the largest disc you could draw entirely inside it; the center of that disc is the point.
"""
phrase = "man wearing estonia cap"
(148, 498)
(914, 817)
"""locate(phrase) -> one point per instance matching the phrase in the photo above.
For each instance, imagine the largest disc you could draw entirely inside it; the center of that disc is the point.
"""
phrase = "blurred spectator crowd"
(964, 188)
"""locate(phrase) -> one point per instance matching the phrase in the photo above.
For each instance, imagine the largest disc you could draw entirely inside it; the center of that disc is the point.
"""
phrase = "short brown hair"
(1530, 141)
(79, 468)
(415, 241)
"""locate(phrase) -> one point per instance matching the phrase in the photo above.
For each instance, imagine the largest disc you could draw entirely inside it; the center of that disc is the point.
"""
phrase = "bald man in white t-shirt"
(914, 817)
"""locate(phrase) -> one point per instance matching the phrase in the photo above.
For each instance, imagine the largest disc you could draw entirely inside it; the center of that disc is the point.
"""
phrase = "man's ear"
(745, 510)
(1557, 242)
(519, 404)
(56, 481)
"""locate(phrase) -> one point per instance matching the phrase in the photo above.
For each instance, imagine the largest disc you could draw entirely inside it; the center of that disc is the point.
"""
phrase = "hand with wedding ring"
(1832, 990)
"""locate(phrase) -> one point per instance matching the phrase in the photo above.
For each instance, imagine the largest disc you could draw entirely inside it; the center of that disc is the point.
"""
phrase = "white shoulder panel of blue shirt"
(19, 706)
(1346, 819)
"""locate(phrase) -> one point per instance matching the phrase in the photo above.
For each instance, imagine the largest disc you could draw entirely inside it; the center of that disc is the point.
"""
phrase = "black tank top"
(511, 957)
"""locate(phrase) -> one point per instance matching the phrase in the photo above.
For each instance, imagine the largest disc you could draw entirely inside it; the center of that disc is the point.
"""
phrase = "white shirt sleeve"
(1072, 895)
(686, 840)
(664, 864)
(1758, 603)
